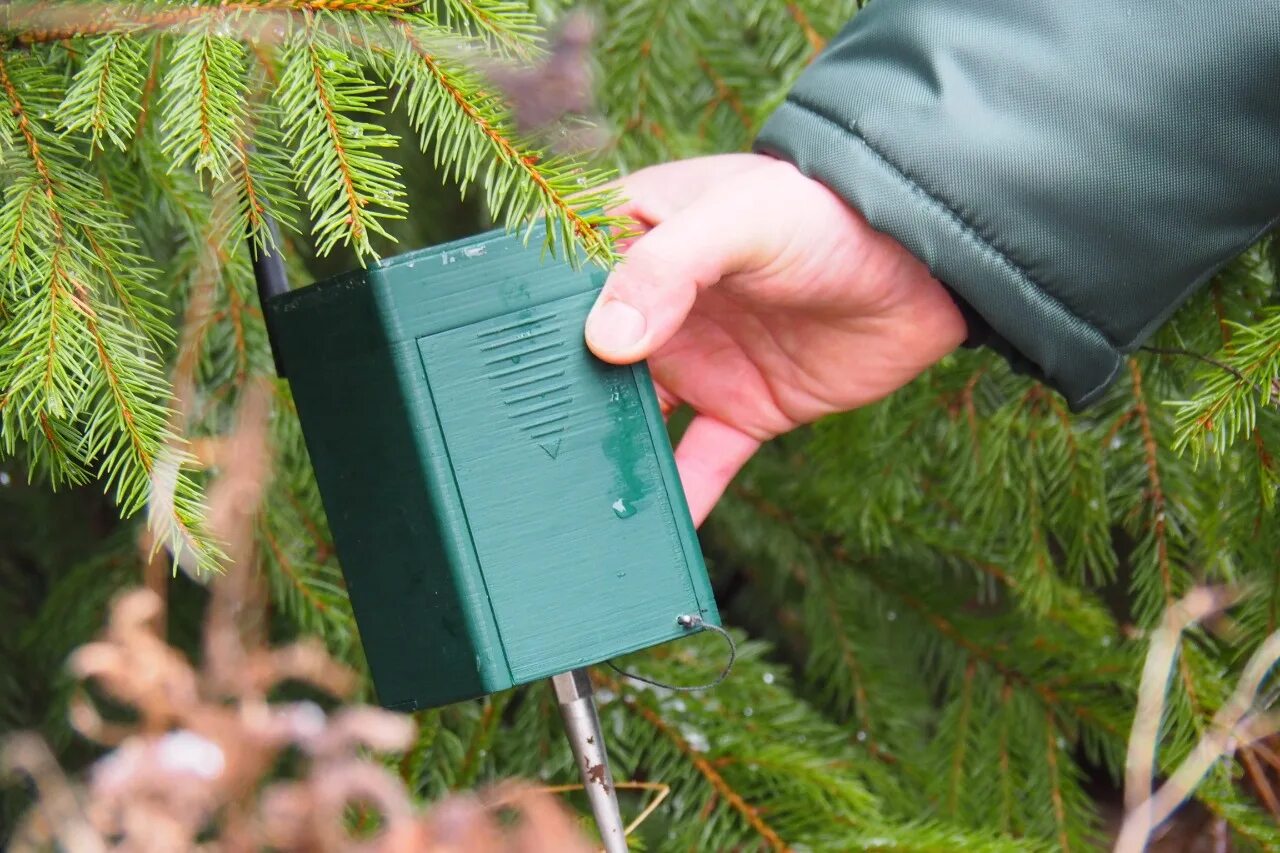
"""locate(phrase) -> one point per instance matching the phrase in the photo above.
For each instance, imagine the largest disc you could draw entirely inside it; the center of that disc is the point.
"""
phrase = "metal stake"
(582, 724)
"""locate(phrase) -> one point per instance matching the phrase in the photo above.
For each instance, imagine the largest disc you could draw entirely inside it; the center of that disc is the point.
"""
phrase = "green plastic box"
(505, 506)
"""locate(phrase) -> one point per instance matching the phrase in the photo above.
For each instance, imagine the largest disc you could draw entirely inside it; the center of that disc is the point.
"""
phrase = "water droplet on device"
(623, 508)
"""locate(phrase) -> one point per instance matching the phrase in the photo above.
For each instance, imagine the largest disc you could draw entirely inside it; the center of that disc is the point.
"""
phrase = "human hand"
(764, 302)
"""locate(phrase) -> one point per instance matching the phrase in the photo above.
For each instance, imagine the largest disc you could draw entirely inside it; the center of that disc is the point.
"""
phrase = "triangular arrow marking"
(552, 448)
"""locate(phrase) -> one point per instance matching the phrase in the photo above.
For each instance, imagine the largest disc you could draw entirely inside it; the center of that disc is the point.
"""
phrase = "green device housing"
(505, 506)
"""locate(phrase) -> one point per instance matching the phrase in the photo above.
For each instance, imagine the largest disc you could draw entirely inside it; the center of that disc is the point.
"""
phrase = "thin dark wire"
(691, 622)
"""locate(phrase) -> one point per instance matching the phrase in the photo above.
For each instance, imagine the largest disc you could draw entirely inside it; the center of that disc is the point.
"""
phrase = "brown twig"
(848, 656)
(1159, 525)
(725, 93)
(1006, 777)
(816, 41)
(148, 89)
(36, 23)
(1055, 784)
(962, 735)
(1258, 777)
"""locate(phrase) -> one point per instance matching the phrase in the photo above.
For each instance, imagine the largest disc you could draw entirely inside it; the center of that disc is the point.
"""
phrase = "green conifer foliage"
(944, 600)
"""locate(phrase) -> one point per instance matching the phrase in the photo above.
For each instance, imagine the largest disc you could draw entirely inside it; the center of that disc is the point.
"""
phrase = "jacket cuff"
(1063, 348)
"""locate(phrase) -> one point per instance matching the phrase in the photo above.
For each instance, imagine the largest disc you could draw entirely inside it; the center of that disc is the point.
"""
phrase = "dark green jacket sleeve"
(1072, 171)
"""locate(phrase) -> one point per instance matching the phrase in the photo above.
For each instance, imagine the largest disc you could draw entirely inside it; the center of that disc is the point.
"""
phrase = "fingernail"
(615, 326)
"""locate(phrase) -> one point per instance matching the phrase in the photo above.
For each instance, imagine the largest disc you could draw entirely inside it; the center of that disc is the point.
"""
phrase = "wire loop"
(692, 622)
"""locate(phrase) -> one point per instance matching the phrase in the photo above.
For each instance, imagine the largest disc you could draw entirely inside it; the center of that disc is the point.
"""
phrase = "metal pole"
(582, 724)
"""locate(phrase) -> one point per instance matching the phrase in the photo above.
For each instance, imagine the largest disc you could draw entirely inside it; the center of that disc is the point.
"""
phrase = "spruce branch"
(1052, 748)
(81, 374)
(724, 95)
(1157, 524)
(1234, 394)
(468, 130)
(1004, 764)
(149, 87)
(644, 40)
(767, 834)
(1052, 486)
(860, 703)
(962, 743)
(103, 97)
(299, 554)
(286, 569)
(1006, 675)
(324, 98)
(197, 321)
(840, 556)
(1204, 359)
(509, 25)
(481, 738)
(687, 78)
(32, 23)
(203, 108)
(351, 189)
(262, 170)
(797, 13)
(307, 584)
(136, 297)
(736, 784)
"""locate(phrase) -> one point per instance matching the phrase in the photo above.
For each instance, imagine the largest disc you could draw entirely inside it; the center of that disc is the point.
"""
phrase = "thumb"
(648, 296)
